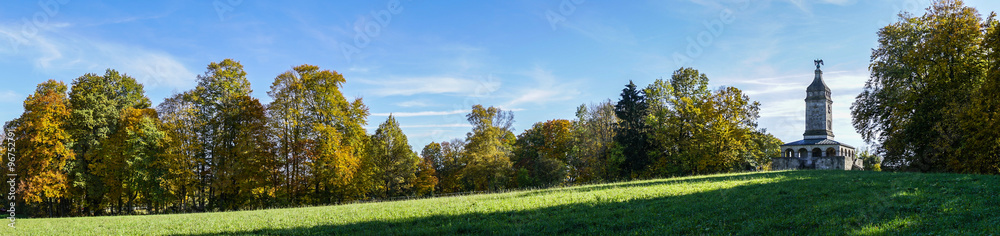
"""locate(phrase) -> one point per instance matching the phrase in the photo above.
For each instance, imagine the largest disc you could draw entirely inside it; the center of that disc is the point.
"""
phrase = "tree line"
(98, 147)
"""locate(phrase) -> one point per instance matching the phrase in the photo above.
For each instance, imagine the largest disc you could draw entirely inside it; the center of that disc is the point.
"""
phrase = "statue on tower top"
(818, 62)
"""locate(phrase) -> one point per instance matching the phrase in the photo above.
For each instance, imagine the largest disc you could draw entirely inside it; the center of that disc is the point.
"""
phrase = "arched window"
(789, 153)
(803, 152)
(817, 152)
(831, 152)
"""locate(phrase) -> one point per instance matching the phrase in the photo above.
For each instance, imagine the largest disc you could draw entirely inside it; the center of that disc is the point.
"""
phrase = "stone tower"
(819, 111)
(817, 149)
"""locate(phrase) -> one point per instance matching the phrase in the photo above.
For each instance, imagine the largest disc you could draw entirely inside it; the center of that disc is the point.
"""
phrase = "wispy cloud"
(422, 113)
(413, 103)
(600, 31)
(546, 88)
(429, 85)
(804, 5)
(9, 96)
(53, 50)
(455, 125)
(846, 80)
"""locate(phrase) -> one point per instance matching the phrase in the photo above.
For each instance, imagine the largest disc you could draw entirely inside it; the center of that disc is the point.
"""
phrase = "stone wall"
(785, 163)
(820, 163)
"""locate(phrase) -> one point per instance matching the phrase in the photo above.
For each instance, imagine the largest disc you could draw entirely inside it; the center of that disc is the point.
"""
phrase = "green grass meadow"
(760, 203)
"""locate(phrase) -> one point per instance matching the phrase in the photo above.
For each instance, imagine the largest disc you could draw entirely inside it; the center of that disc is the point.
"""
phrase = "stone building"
(817, 149)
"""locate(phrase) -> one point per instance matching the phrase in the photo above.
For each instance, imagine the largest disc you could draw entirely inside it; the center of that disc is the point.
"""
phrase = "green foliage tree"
(320, 134)
(761, 147)
(696, 131)
(180, 122)
(250, 164)
(288, 118)
(541, 153)
(131, 164)
(216, 102)
(450, 168)
(593, 136)
(431, 156)
(488, 148)
(979, 150)
(395, 161)
(921, 107)
(427, 179)
(871, 161)
(97, 103)
(632, 130)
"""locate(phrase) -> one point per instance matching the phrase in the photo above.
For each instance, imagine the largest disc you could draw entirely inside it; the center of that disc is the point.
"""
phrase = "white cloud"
(545, 88)
(840, 2)
(431, 85)
(804, 4)
(455, 125)
(846, 80)
(422, 113)
(10, 96)
(412, 103)
(783, 106)
(52, 50)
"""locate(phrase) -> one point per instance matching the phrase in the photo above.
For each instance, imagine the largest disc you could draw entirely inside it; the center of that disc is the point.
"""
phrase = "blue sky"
(428, 62)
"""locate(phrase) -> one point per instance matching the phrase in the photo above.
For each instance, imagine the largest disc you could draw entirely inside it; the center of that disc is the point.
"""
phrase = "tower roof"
(818, 84)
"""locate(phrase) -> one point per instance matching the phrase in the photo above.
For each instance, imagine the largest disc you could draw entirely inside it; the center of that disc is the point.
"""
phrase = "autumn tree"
(320, 133)
(180, 121)
(288, 118)
(427, 180)
(216, 99)
(696, 131)
(925, 74)
(251, 163)
(450, 167)
(130, 162)
(488, 148)
(97, 103)
(42, 148)
(433, 153)
(761, 147)
(593, 137)
(979, 151)
(541, 153)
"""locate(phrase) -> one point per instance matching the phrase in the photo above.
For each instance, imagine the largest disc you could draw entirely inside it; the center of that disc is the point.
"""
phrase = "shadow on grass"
(805, 202)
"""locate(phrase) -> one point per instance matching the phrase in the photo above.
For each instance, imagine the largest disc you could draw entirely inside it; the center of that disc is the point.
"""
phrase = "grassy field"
(789, 202)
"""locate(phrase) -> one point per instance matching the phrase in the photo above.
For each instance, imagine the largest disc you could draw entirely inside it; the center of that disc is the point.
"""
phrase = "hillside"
(789, 202)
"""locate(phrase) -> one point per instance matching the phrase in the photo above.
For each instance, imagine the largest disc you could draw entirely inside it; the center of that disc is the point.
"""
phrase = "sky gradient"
(428, 62)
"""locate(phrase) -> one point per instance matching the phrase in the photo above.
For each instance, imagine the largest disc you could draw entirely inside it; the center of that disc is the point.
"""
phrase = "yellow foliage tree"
(42, 146)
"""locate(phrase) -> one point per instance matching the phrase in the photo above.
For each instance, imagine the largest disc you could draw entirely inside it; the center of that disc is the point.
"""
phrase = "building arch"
(803, 152)
(817, 152)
